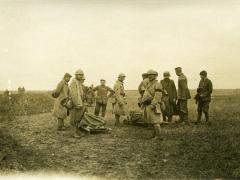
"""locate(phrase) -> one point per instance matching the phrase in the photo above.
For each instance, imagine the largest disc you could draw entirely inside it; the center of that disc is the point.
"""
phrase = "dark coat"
(183, 91)
(205, 89)
(169, 86)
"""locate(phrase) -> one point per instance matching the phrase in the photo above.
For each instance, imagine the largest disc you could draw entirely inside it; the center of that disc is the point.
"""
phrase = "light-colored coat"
(152, 97)
(121, 103)
(59, 110)
(77, 96)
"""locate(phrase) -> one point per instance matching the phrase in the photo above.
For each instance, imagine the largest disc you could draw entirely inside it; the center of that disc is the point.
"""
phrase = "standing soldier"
(77, 97)
(151, 101)
(102, 97)
(141, 87)
(203, 98)
(183, 95)
(120, 97)
(169, 96)
(61, 93)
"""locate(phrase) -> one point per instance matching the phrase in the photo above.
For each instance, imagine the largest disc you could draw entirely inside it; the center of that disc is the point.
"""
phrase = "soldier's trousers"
(183, 109)
(203, 107)
(152, 116)
(60, 123)
(76, 116)
(168, 112)
(100, 106)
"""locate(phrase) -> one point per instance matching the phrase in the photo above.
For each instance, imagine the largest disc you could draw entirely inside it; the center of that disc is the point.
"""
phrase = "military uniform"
(102, 98)
(183, 96)
(141, 90)
(169, 97)
(78, 99)
(60, 110)
(205, 90)
(120, 104)
(152, 98)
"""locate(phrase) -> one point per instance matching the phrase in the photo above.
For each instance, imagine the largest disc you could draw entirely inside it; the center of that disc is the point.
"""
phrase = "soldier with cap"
(203, 98)
(61, 93)
(102, 97)
(77, 101)
(183, 95)
(169, 96)
(152, 100)
(120, 99)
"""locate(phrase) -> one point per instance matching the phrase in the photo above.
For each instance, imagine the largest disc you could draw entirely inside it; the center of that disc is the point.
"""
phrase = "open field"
(30, 143)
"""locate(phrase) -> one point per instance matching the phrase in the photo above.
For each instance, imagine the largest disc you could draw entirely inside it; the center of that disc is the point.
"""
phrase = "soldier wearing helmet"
(119, 108)
(151, 102)
(183, 95)
(169, 96)
(77, 96)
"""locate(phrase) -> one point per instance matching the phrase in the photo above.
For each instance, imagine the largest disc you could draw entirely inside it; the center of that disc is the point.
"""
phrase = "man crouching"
(151, 101)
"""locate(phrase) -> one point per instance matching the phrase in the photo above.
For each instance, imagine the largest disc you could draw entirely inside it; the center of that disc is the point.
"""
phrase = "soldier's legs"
(155, 120)
(104, 107)
(183, 110)
(164, 116)
(206, 110)
(170, 115)
(200, 110)
(60, 123)
(117, 119)
(76, 116)
(97, 109)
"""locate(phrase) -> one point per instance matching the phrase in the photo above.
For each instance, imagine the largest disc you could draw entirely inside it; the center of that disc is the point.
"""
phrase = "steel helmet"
(152, 72)
(121, 75)
(79, 72)
(166, 74)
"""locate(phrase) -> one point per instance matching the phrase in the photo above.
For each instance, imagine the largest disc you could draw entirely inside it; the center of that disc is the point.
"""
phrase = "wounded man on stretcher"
(93, 124)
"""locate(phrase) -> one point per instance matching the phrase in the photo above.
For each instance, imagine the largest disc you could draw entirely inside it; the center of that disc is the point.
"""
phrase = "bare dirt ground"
(194, 151)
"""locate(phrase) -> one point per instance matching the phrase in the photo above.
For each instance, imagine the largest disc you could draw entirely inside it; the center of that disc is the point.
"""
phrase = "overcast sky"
(40, 41)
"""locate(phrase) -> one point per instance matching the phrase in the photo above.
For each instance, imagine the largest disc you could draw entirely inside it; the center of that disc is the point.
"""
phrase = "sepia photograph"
(119, 89)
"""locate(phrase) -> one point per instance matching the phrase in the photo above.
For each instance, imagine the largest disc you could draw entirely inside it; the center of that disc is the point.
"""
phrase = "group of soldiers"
(159, 100)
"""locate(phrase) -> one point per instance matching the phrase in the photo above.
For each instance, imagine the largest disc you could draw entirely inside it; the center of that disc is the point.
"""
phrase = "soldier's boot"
(170, 119)
(164, 118)
(199, 117)
(60, 124)
(96, 113)
(157, 130)
(186, 120)
(103, 114)
(181, 116)
(207, 116)
(117, 120)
